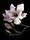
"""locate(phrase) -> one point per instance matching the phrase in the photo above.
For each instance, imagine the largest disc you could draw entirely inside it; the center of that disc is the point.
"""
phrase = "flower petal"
(8, 26)
(20, 7)
(12, 8)
(3, 15)
(9, 20)
(23, 15)
(17, 21)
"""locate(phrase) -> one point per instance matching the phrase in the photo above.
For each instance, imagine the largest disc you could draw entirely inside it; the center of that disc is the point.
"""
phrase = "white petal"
(23, 15)
(20, 7)
(17, 21)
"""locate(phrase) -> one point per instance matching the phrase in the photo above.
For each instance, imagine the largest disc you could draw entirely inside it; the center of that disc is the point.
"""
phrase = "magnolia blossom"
(11, 14)
(15, 15)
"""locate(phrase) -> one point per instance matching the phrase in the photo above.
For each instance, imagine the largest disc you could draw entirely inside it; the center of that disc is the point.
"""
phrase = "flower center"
(15, 14)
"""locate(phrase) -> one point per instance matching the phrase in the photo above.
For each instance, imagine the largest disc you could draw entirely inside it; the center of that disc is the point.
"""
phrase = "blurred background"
(5, 4)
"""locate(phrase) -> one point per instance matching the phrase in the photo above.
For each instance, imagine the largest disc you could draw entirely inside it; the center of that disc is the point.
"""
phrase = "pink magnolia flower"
(12, 13)
(15, 15)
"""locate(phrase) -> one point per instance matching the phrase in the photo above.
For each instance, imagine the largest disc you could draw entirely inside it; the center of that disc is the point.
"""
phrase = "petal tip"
(20, 7)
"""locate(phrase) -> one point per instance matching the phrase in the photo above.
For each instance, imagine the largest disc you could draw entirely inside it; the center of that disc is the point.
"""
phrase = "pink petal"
(12, 8)
(8, 26)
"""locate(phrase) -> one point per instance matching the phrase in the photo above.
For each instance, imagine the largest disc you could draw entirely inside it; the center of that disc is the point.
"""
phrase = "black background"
(5, 4)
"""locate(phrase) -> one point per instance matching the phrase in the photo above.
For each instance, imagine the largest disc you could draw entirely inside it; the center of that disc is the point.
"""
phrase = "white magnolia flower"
(15, 15)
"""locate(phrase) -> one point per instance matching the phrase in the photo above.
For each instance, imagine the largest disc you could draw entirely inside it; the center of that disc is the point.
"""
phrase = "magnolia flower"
(15, 15)
(12, 13)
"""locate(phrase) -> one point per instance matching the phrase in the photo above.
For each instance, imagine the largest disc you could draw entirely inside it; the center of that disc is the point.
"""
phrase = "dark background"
(5, 4)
